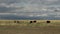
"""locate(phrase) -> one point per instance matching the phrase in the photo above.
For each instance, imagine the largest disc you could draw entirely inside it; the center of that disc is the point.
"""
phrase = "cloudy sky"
(29, 8)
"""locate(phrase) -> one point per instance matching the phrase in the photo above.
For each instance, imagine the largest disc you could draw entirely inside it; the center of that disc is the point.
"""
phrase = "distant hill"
(13, 17)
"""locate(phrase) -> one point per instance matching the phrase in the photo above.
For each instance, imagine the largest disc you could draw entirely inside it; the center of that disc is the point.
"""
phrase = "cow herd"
(30, 21)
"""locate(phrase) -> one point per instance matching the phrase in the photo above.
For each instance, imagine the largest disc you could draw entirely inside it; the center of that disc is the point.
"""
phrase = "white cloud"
(36, 15)
(51, 0)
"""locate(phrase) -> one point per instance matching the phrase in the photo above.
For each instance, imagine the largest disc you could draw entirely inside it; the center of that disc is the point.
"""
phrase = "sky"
(10, 9)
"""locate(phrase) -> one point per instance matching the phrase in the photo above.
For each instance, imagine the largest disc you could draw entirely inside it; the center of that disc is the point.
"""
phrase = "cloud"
(9, 1)
(31, 15)
(6, 10)
(51, 0)
(30, 8)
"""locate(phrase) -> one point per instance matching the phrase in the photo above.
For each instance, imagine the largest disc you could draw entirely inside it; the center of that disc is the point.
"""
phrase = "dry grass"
(29, 30)
(24, 27)
(27, 22)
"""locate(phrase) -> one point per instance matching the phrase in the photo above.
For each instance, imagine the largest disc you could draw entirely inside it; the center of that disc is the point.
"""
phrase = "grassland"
(25, 27)
(27, 22)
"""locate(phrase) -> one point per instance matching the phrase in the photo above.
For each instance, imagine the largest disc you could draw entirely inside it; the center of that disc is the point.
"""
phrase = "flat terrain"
(25, 27)
(29, 30)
